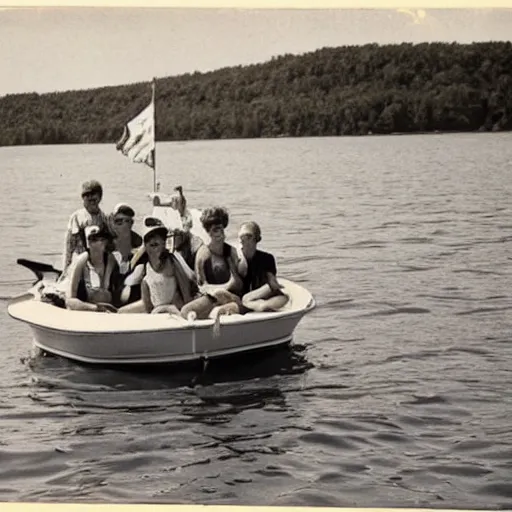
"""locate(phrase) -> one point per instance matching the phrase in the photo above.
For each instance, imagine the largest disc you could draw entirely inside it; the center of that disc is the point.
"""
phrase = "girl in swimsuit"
(216, 270)
(94, 278)
(166, 286)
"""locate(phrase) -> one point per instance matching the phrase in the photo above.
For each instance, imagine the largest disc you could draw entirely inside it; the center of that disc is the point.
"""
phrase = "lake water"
(398, 389)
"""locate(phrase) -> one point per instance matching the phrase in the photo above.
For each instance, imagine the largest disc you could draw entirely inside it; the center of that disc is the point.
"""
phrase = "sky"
(58, 49)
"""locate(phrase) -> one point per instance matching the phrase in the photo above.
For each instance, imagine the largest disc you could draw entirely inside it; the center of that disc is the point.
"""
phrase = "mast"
(153, 88)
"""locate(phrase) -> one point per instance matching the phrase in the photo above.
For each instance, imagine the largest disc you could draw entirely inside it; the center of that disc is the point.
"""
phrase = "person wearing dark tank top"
(261, 290)
(216, 269)
(216, 261)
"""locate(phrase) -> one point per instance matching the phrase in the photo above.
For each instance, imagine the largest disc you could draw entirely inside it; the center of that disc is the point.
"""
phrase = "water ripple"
(396, 391)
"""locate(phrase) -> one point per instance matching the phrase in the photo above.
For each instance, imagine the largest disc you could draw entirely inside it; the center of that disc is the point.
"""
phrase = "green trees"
(332, 91)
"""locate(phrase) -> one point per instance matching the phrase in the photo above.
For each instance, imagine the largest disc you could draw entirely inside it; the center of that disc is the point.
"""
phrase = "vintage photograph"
(256, 256)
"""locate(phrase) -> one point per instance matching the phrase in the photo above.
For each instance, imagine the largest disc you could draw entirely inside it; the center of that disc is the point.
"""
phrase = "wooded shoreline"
(351, 90)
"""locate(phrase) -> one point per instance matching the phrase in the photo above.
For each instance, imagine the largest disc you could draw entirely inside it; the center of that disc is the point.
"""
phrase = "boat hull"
(107, 339)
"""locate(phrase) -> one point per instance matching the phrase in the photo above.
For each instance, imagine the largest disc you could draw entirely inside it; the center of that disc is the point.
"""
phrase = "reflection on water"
(396, 390)
(57, 372)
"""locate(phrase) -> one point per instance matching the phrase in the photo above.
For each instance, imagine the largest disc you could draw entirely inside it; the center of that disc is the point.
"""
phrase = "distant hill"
(332, 91)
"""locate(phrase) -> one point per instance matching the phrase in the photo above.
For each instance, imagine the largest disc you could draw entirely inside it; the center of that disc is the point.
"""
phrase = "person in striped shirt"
(89, 215)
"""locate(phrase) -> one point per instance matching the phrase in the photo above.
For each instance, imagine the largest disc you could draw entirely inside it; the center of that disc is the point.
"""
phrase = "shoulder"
(75, 218)
(75, 214)
(236, 254)
(80, 262)
(266, 256)
(203, 252)
(195, 243)
(82, 258)
(267, 260)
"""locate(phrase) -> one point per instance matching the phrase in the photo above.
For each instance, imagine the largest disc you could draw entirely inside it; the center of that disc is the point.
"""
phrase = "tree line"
(349, 90)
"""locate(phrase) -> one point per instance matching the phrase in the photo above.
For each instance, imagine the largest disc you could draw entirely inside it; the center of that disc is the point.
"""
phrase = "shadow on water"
(201, 393)
(52, 371)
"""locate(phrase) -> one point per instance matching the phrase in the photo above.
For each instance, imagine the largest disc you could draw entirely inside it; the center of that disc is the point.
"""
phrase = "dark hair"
(159, 232)
(124, 209)
(92, 187)
(103, 232)
(214, 215)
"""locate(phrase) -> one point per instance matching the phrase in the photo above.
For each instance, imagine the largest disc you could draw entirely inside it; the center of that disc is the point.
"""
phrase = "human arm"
(267, 297)
(146, 296)
(273, 282)
(70, 241)
(201, 257)
(241, 263)
(116, 281)
(235, 283)
(72, 301)
(66, 257)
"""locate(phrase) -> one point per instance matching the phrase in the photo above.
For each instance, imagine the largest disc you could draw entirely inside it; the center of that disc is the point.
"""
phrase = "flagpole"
(153, 87)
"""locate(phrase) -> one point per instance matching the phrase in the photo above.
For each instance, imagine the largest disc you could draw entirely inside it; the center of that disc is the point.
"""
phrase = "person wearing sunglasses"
(89, 215)
(126, 247)
(126, 240)
(261, 290)
(93, 283)
(167, 284)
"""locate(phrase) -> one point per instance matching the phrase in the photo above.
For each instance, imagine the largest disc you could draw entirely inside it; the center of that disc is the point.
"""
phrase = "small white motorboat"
(127, 339)
(141, 338)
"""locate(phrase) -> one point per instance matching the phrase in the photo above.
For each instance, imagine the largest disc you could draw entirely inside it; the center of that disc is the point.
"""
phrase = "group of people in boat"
(108, 267)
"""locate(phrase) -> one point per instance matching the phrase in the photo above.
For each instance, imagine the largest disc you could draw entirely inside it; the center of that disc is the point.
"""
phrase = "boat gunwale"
(232, 320)
(190, 327)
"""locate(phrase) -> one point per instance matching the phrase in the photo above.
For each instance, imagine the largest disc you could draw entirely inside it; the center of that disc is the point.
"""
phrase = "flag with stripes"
(138, 140)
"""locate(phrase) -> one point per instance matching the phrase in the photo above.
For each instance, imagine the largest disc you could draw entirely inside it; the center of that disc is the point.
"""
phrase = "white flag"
(138, 140)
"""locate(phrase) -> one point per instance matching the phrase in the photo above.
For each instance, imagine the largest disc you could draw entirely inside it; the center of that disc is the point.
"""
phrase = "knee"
(185, 310)
(190, 307)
